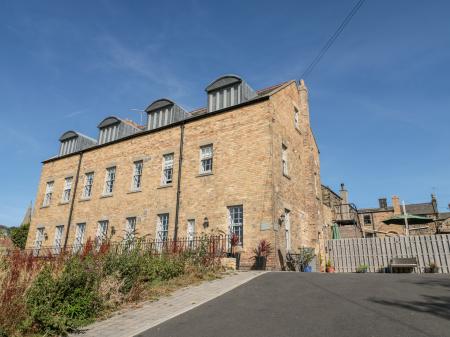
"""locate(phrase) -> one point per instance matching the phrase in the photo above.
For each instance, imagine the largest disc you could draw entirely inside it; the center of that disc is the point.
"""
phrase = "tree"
(19, 235)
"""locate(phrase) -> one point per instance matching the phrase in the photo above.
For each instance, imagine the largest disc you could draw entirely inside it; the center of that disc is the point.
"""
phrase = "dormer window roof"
(72, 141)
(113, 128)
(226, 91)
(163, 112)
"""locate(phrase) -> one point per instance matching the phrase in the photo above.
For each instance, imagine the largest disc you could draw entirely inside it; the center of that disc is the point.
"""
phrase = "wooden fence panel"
(348, 254)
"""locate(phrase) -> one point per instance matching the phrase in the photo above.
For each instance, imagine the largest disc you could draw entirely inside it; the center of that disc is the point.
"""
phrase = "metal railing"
(211, 245)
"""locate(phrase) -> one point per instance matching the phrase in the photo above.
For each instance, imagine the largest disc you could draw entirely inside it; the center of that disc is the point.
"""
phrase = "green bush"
(63, 302)
(19, 235)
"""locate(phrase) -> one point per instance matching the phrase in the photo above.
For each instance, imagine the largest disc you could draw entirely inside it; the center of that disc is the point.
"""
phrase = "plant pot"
(260, 262)
(329, 269)
(307, 269)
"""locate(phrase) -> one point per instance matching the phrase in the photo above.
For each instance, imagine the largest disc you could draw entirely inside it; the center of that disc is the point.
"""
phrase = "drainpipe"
(73, 201)
(180, 163)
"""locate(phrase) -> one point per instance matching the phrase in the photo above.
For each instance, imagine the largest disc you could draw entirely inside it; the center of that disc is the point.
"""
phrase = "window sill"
(286, 176)
(134, 191)
(164, 186)
(46, 206)
(106, 196)
(205, 174)
(63, 203)
(84, 199)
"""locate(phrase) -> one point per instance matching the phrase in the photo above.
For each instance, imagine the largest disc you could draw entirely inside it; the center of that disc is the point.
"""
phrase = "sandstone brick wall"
(246, 171)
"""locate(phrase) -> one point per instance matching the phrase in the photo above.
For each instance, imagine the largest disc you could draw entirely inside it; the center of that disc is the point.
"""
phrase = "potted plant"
(235, 249)
(329, 268)
(305, 258)
(262, 251)
(362, 268)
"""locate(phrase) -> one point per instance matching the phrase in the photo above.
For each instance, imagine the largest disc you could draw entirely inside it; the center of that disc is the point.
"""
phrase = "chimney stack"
(396, 205)
(382, 202)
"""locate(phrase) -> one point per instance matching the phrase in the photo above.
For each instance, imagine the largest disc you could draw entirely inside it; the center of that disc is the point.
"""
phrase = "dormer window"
(72, 141)
(163, 112)
(227, 91)
(113, 128)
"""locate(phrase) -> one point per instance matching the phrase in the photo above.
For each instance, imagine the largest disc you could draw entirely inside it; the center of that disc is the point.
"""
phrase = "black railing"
(211, 245)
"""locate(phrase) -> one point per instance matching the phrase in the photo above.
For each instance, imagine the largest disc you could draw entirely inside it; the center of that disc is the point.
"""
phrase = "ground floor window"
(79, 237)
(162, 231)
(236, 222)
(102, 232)
(57, 243)
(190, 232)
(38, 241)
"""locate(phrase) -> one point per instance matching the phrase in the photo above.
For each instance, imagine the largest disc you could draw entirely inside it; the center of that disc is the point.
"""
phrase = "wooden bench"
(403, 262)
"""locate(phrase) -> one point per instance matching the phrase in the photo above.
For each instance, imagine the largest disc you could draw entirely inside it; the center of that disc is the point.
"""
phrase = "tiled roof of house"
(444, 215)
(422, 208)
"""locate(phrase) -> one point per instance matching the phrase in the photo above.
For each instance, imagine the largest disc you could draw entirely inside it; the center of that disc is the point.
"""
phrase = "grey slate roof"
(417, 209)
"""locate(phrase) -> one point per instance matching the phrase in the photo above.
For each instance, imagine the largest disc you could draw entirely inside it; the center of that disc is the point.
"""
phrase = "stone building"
(338, 211)
(247, 163)
(372, 218)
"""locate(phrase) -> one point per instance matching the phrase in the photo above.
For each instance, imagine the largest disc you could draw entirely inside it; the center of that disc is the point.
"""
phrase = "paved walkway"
(135, 321)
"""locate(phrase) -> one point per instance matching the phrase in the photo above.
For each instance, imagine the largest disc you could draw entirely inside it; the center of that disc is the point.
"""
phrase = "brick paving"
(134, 321)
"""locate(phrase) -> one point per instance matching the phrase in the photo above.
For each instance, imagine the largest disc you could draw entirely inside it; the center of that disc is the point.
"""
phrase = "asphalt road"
(310, 304)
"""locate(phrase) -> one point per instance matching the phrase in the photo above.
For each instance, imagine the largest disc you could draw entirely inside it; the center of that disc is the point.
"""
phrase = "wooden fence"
(348, 254)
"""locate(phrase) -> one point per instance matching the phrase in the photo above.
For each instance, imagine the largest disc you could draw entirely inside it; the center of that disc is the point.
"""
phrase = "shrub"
(63, 302)
(362, 268)
(19, 235)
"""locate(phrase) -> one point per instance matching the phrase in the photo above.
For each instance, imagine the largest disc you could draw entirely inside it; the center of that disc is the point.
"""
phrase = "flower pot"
(260, 262)
(307, 269)
(329, 269)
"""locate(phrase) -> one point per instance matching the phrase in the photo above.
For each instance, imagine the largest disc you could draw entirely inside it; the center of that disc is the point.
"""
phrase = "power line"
(333, 38)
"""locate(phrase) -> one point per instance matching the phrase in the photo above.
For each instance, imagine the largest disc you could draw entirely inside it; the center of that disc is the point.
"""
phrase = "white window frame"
(167, 169)
(130, 229)
(88, 183)
(236, 222)
(110, 179)
(39, 239)
(48, 193)
(206, 158)
(67, 189)
(162, 227)
(102, 232)
(57, 241)
(287, 227)
(136, 182)
(79, 237)
(284, 159)
(190, 232)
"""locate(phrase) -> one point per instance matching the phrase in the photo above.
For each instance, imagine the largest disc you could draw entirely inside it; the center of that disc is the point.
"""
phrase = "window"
(48, 193)
(137, 175)
(38, 241)
(67, 189)
(367, 219)
(57, 243)
(102, 231)
(287, 226)
(79, 237)
(88, 182)
(109, 180)
(167, 169)
(162, 231)
(130, 229)
(206, 158)
(236, 222)
(190, 232)
(284, 159)
(296, 118)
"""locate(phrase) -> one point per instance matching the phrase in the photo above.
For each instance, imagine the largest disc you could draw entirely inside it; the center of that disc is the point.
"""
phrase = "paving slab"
(134, 321)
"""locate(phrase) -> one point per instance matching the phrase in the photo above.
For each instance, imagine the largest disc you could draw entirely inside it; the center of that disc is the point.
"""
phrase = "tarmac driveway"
(308, 304)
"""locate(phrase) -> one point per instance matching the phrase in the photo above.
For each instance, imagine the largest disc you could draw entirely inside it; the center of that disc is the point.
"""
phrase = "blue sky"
(379, 99)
